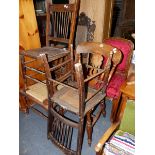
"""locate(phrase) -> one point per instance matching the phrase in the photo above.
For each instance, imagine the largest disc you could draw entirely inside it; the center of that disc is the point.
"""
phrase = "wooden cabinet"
(28, 37)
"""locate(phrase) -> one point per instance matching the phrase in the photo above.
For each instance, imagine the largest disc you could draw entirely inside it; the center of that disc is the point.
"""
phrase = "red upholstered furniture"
(120, 75)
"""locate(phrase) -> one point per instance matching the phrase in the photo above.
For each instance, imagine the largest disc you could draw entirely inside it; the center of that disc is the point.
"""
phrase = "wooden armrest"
(106, 136)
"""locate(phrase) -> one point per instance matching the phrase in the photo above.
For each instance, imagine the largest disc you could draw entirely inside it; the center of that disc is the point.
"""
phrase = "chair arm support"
(106, 136)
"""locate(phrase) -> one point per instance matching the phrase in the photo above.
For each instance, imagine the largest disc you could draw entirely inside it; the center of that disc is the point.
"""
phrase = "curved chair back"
(126, 47)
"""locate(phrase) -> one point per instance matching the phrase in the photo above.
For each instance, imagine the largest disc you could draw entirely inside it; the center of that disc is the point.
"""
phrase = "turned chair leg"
(89, 127)
(49, 124)
(50, 119)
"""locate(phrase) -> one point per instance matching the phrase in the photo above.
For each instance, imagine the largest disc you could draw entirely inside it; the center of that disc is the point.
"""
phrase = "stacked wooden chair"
(60, 26)
(73, 99)
(35, 89)
(60, 29)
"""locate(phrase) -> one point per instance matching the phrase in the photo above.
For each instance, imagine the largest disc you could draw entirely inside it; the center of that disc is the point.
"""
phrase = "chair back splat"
(60, 24)
(74, 97)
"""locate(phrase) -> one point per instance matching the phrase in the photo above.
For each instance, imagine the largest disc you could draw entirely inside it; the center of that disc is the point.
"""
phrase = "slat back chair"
(35, 88)
(75, 97)
(60, 24)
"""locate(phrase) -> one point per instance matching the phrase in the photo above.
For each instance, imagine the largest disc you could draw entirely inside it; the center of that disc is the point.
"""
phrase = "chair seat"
(38, 91)
(69, 99)
(113, 89)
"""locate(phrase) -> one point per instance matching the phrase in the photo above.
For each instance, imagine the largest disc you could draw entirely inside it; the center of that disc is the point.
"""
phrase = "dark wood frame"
(72, 9)
(34, 54)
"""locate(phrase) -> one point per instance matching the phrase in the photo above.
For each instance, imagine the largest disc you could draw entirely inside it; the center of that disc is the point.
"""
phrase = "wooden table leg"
(121, 107)
(115, 105)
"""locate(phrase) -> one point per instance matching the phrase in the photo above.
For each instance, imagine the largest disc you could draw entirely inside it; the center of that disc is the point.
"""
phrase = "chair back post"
(44, 59)
(77, 57)
(116, 56)
(108, 74)
(72, 60)
(81, 88)
(22, 59)
(74, 16)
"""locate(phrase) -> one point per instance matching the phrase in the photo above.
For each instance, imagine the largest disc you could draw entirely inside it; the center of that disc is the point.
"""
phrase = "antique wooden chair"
(60, 24)
(121, 73)
(124, 125)
(33, 74)
(74, 100)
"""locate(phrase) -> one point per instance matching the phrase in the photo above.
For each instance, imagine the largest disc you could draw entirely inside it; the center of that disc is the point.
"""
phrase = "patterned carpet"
(33, 135)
